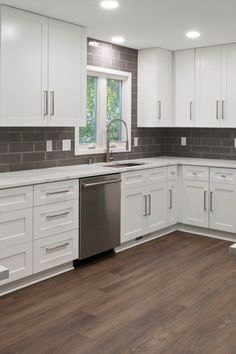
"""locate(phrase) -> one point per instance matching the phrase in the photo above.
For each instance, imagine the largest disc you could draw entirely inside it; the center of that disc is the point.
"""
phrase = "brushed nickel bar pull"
(58, 192)
(58, 215)
(159, 109)
(211, 201)
(52, 100)
(45, 103)
(57, 247)
(205, 196)
(145, 201)
(191, 110)
(217, 109)
(223, 109)
(150, 204)
(171, 199)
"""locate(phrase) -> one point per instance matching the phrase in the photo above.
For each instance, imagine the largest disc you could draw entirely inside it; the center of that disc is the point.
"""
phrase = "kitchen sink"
(124, 164)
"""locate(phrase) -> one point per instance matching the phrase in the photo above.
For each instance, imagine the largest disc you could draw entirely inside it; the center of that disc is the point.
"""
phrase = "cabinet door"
(147, 88)
(184, 76)
(67, 74)
(229, 86)
(164, 87)
(208, 87)
(24, 56)
(172, 202)
(157, 207)
(222, 207)
(132, 213)
(195, 203)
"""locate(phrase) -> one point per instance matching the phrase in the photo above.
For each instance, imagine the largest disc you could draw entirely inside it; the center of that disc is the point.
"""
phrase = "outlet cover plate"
(183, 141)
(66, 145)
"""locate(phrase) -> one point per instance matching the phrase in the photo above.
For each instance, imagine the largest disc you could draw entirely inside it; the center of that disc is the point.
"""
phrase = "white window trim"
(126, 77)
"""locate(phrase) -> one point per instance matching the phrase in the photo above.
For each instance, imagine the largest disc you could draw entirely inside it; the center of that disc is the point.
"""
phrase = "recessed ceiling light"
(109, 4)
(193, 34)
(118, 39)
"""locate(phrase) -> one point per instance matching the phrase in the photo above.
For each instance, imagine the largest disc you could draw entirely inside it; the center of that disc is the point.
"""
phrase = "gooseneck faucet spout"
(108, 155)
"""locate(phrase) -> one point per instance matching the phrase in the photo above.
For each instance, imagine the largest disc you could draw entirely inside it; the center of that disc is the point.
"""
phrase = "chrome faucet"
(109, 156)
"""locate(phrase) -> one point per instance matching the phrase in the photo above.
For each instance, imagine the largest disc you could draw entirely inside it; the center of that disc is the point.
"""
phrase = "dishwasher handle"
(89, 185)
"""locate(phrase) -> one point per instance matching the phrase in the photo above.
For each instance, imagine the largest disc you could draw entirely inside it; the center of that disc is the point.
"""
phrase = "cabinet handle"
(45, 103)
(171, 199)
(149, 204)
(58, 215)
(159, 109)
(211, 201)
(191, 110)
(145, 204)
(58, 192)
(217, 109)
(52, 93)
(223, 109)
(50, 249)
(205, 197)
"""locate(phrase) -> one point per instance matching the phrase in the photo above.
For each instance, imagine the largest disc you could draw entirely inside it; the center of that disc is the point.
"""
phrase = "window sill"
(96, 151)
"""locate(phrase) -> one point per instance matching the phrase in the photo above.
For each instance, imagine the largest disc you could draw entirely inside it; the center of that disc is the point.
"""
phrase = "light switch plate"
(183, 141)
(136, 141)
(49, 145)
(66, 145)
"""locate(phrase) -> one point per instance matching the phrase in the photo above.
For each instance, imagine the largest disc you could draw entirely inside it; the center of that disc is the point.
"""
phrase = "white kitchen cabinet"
(208, 109)
(154, 88)
(222, 207)
(195, 203)
(43, 71)
(67, 84)
(133, 210)
(157, 207)
(172, 202)
(183, 87)
(24, 55)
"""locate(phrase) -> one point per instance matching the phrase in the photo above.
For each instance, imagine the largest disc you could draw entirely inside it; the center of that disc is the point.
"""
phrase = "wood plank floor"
(174, 295)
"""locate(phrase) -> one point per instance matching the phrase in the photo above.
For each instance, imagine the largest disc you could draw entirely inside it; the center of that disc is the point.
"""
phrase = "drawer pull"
(223, 176)
(58, 215)
(58, 192)
(54, 248)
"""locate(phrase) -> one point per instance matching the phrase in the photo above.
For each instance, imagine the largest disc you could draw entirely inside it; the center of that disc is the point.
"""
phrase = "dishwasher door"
(100, 203)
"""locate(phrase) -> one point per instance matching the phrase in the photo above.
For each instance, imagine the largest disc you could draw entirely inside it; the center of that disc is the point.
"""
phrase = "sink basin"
(125, 164)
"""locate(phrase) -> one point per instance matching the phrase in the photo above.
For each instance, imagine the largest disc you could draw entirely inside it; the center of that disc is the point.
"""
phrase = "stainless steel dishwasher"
(99, 214)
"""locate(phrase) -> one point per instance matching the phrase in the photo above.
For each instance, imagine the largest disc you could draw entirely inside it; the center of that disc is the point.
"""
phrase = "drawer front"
(15, 227)
(55, 218)
(16, 199)
(157, 175)
(196, 173)
(172, 173)
(133, 179)
(54, 192)
(223, 175)
(18, 260)
(55, 250)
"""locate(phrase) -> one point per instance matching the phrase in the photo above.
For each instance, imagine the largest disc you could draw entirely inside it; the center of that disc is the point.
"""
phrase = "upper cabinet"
(183, 88)
(43, 71)
(154, 88)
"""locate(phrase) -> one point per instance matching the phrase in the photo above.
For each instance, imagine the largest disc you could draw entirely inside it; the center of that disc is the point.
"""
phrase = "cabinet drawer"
(55, 250)
(16, 199)
(18, 260)
(223, 175)
(172, 173)
(196, 173)
(55, 218)
(157, 175)
(15, 227)
(133, 179)
(54, 192)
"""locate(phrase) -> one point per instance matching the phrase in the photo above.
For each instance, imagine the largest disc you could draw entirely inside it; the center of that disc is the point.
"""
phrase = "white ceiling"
(146, 23)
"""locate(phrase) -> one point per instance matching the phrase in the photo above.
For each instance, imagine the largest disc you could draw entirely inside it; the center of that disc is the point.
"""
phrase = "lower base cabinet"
(157, 207)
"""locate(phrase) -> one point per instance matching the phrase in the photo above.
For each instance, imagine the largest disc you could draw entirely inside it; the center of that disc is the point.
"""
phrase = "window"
(108, 98)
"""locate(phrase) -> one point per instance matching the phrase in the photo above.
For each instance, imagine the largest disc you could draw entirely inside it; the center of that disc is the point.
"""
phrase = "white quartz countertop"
(23, 178)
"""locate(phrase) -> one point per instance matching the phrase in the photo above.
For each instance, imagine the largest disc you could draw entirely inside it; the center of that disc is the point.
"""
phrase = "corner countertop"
(30, 177)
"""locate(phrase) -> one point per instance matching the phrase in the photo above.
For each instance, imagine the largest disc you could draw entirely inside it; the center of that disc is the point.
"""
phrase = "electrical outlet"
(66, 145)
(49, 145)
(234, 142)
(136, 141)
(183, 141)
